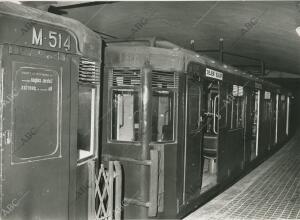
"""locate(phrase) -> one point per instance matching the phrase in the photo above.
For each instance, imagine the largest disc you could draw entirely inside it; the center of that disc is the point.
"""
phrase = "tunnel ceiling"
(264, 30)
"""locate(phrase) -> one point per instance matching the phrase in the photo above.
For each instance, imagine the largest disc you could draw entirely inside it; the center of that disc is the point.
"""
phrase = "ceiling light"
(16, 2)
(298, 31)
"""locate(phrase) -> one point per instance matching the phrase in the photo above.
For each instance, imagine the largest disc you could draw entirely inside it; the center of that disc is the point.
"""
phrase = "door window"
(237, 107)
(36, 101)
(125, 115)
(162, 116)
(194, 108)
(87, 132)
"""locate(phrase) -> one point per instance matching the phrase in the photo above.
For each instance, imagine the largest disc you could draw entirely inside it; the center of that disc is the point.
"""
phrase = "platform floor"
(271, 191)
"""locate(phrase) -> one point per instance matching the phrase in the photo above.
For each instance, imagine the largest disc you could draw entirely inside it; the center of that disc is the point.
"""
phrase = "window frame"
(94, 138)
(110, 103)
(175, 95)
(236, 102)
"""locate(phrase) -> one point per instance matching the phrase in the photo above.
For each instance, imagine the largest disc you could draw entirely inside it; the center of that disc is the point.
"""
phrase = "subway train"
(184, 126)
(50, 87)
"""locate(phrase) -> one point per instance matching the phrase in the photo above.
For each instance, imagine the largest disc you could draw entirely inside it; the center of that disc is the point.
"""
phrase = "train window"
(125, 115)
(212, 114)
(237, 107)
(284, 110)
(36, 101)
(240, 109)
(86, 132)
(233, 113)
(223, 108)
(162, 116)
(255, 121)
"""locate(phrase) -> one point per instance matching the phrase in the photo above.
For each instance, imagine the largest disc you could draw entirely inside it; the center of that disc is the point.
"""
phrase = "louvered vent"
(89, 71)
(125, 78)
(164, 80)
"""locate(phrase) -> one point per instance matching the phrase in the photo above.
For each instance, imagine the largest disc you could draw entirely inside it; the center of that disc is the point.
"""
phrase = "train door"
(287, 116)
(276, 120)
(273, 120)
(282, 118)
(255, 118)
(87, 140)
(248, 125)
(193, 140)
(211, 131)
(267, 120)
(36, 142)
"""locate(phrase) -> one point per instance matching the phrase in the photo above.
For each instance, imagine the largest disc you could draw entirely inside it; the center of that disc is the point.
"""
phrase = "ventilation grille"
(89, 71)
(164, 80)
(125, 78)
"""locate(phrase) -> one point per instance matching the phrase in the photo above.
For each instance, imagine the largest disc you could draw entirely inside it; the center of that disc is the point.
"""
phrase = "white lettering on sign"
(37, 39)
(213, 74)
(53, 39)
(36, 81)
(28, 88)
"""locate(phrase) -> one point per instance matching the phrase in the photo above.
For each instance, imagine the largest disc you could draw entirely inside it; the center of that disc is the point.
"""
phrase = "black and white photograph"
(149, 110)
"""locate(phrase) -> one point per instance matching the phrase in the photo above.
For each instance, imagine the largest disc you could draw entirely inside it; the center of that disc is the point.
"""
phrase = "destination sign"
(213, 74)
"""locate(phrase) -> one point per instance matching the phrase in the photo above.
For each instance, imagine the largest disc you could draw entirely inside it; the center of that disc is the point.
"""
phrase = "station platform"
(271, 191)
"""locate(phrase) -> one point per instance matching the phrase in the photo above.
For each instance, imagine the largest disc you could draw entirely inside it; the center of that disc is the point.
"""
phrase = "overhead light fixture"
(16, 2)
(298, 31)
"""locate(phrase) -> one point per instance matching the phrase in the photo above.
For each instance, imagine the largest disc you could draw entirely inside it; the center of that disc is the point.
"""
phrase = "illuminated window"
(125, 124)
(237, 107)
(162, 116)
(87, 132)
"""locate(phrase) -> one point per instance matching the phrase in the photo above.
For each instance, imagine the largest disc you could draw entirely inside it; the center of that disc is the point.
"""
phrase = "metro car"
(183, 125)
(50, 86)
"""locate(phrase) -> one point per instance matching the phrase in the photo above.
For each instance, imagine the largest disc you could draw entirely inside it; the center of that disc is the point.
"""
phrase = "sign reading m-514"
(53, 39)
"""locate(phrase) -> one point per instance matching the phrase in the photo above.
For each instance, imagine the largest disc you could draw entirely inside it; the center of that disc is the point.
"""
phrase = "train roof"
(17, 19)
(159, 52)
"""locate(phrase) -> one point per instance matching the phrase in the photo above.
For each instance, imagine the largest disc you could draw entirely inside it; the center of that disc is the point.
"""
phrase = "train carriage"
(183, 125)
(49, 74)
